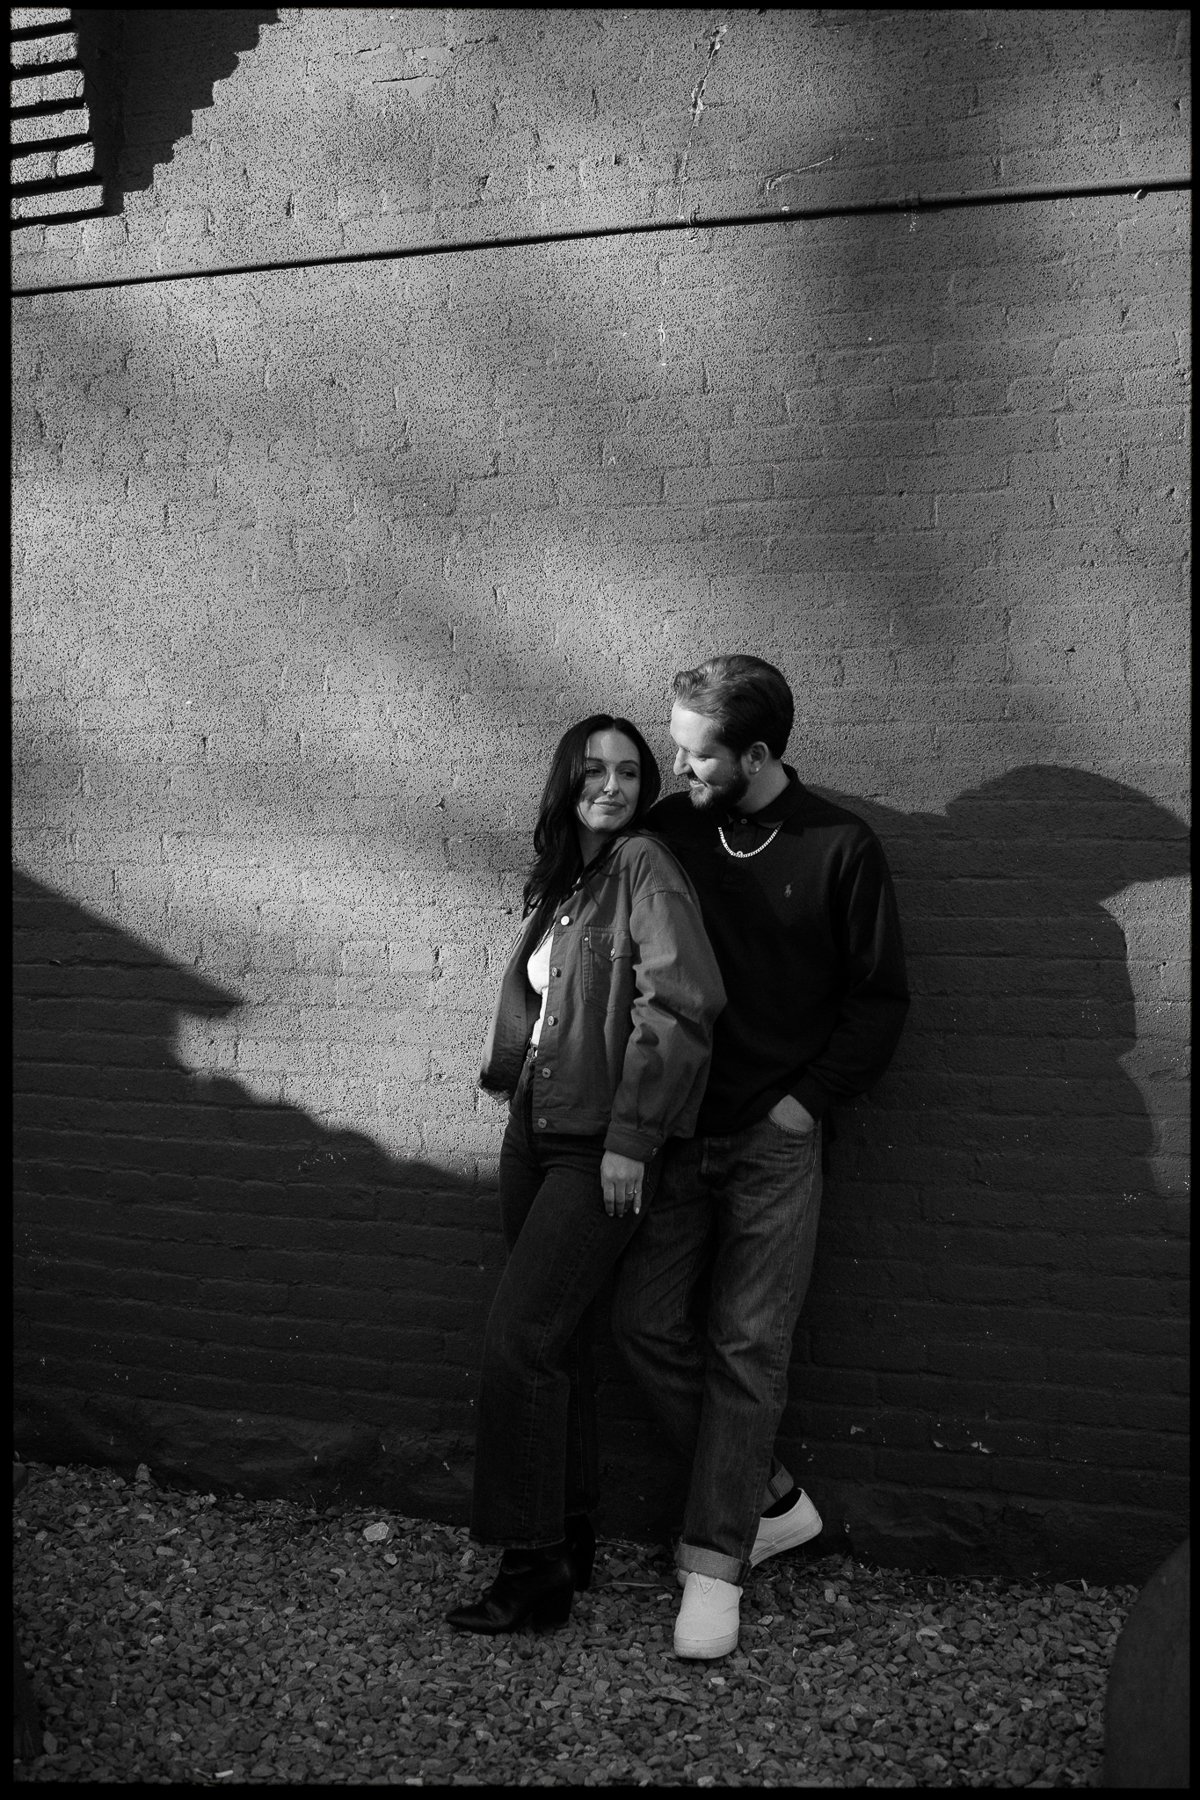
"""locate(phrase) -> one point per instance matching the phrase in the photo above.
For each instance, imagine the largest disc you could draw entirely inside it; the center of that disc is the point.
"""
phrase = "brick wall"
(242, 136)
(313, 564)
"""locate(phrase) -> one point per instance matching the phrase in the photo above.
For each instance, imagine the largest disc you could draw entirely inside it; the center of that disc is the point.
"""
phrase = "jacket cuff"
(638, 1145)
(812, 1096)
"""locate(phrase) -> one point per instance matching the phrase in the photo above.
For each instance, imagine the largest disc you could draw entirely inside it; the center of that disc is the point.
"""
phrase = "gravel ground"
(174, 1637)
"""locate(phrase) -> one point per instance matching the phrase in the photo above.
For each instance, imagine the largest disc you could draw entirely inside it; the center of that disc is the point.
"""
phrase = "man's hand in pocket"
(789, 1115)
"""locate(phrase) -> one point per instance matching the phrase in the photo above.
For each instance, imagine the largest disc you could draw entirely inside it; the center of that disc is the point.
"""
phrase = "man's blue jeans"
(705, 1308)
(536, 1456)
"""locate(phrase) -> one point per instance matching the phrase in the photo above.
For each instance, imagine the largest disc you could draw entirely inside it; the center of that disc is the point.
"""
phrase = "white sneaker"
(796, 1526)
(708, 1617)
(788, 1531)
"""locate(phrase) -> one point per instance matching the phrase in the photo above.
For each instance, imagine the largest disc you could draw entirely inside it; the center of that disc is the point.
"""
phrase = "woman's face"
(611, 784)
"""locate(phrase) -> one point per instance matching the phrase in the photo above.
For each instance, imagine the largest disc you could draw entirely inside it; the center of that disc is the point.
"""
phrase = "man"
(798, 904)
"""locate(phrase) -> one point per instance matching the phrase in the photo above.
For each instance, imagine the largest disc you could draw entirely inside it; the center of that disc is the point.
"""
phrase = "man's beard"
(707, 798)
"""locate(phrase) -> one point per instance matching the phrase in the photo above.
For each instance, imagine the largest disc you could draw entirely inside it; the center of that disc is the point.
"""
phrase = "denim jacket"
(634, 989)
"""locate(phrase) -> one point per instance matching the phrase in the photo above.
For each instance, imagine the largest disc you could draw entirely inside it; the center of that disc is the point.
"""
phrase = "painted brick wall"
(314, 564)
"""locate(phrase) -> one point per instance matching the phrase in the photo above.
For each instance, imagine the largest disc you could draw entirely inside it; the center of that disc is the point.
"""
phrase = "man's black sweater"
(807, 937)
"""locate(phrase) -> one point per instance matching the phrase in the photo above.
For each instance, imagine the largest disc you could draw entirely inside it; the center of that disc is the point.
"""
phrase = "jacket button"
(546, 1074)
(553, 1019)
(556, 971)
(541, 1124)
(566, 919)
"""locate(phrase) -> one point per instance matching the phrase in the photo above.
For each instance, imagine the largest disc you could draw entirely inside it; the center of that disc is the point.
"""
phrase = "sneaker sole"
(694, 1651)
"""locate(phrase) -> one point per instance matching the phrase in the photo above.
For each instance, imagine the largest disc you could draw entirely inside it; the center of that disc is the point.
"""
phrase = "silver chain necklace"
(744, 855)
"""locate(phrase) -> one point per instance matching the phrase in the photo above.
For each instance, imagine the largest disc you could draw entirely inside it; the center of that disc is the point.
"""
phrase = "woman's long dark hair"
(557, 862)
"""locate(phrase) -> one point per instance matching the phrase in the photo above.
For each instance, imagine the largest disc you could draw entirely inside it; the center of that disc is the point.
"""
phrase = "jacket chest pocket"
(606, 956)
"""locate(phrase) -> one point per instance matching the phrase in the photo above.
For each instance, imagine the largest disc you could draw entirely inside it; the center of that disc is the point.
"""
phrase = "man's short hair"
(747, 700)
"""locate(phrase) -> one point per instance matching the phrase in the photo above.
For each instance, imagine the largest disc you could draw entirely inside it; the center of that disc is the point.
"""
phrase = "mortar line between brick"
(920, 203)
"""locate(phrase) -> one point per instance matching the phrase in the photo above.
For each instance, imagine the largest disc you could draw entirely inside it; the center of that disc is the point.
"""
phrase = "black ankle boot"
(581, 1550)
(533, 1587)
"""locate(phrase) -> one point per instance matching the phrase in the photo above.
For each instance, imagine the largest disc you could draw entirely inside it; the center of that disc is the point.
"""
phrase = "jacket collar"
(596, 866)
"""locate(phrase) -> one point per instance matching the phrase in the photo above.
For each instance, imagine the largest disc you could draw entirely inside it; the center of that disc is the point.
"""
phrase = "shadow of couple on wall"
(191, 1259)
(1000, 1272)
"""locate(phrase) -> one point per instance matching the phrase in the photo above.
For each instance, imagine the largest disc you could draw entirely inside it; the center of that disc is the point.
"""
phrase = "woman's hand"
(621, 1181)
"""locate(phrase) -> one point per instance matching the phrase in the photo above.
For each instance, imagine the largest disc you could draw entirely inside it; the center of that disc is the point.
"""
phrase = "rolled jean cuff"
(694, 1560)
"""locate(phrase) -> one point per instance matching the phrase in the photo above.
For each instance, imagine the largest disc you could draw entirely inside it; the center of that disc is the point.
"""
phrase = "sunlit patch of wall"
(362, 541)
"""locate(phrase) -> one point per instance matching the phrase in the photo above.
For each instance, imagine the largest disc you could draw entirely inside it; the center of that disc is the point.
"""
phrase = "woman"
(601, 1039)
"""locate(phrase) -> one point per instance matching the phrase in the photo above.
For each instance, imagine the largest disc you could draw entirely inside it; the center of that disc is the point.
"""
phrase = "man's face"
(715, 776)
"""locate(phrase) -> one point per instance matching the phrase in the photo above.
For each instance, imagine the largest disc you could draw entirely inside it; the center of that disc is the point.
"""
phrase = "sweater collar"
(787, 801)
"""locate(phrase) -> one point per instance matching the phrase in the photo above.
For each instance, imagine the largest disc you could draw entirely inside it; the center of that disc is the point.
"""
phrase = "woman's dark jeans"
(536, 1457)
